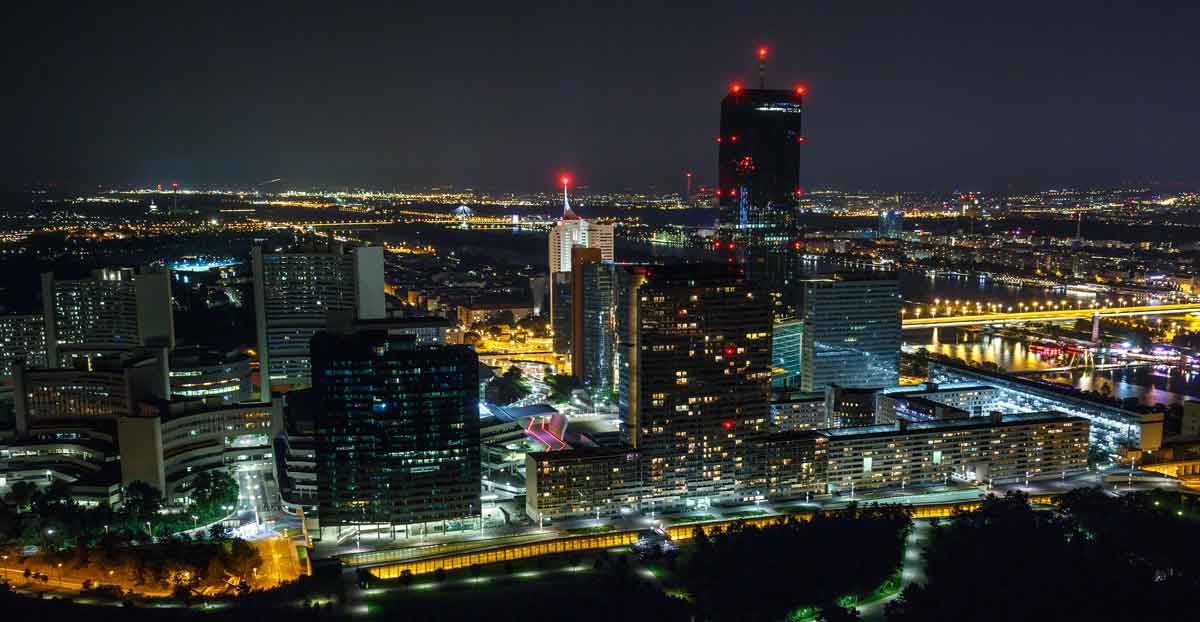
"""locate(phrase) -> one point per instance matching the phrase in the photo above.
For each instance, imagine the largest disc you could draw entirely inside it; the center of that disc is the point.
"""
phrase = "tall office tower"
(22, 338)
(851, 331)
(593, 332)
(571, 231)
(294, 293)
(112, 312)
(695, 374)
(397, 431)
(891, 224)
(758, 172)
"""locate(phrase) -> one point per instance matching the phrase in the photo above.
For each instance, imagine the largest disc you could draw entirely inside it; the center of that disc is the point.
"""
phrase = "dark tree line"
(763, 573)
(1094, 557)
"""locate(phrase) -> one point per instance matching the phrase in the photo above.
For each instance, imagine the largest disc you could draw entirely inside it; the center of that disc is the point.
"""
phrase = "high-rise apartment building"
(294, 294)
(694, 344)
(114, 311)
(396, 433)
(851, 331)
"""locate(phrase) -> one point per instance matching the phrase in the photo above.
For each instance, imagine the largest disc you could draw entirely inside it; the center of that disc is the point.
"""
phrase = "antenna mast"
(762, 66)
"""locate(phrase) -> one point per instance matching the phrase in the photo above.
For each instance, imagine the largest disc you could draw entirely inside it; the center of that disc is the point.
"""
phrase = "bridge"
(1056, 315)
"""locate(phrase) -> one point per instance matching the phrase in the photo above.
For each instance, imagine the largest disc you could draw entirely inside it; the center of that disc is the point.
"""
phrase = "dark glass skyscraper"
(397, 431)
(758, 169)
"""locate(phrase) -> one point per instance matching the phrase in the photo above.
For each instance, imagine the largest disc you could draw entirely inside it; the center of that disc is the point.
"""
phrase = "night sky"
(503, 95)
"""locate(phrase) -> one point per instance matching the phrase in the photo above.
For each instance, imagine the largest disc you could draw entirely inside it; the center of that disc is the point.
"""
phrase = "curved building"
(208, 375)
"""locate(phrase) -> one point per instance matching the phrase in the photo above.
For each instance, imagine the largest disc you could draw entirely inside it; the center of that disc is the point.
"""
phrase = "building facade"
(595, 482)
(22, 338)
(593, 329)
(294, 294)
(396, 433)
(758, 184)
(114, 311)
(694, 344)
(851, 331)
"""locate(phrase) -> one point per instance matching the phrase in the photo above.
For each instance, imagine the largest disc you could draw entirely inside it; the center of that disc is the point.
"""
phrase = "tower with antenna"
(758, 182)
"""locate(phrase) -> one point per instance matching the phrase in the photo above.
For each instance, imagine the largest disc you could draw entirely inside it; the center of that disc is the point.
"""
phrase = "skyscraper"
(397, 431)
(569, 232)
(593, 334)
(694, 348)
(109, 314)
(758, 170)
(851, 331)
(294, 293)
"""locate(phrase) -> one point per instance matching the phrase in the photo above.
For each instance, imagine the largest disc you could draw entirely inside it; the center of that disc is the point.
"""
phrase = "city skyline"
(937, 97)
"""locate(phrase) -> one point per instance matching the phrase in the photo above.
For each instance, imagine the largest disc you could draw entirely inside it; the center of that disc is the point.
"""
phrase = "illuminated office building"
(851, 331)
(396, 432)
(294, 295)
(212, 377)
(108, 314)
(22, 338)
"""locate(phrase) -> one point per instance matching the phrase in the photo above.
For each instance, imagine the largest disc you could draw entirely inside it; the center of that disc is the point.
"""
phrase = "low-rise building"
(581, 482)
(798, 411)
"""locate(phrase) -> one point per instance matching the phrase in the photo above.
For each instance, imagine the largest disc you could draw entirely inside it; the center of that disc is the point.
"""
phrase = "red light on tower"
(800, 90)
(728, 425)
(565, 180)
(762, 52)
(735, 88)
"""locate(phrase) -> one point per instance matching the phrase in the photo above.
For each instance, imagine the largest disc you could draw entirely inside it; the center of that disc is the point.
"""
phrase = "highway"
(1044, 316)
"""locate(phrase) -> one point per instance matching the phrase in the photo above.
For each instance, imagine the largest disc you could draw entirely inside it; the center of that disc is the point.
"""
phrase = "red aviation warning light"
(565, 179)
(735, 88)
(800, 90)
(728, 425)
(762, 52)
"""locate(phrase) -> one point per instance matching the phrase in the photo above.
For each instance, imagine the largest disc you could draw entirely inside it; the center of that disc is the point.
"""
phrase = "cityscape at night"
(801, 312)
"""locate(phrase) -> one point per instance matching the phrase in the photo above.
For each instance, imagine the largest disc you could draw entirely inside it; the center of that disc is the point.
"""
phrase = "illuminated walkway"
(1043, 316)
(574, 544)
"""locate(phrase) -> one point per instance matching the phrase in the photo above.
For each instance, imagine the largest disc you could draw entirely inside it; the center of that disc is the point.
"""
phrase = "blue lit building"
(851, 331)
(396, 434)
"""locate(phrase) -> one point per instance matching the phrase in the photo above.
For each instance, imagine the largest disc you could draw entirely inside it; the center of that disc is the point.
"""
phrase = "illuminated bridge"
(1047, 316)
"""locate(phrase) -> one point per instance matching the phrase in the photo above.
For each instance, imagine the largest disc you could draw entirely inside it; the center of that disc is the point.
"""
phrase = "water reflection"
(1151, 384)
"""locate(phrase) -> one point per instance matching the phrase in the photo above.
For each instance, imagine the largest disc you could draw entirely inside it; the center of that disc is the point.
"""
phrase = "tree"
(561, 386)
(21, 495)
(142, 501)
(835, 613)
(507, 387)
